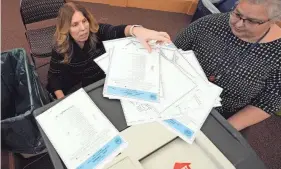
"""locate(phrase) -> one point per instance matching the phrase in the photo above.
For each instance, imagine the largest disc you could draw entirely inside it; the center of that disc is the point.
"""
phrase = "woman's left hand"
(145, 35)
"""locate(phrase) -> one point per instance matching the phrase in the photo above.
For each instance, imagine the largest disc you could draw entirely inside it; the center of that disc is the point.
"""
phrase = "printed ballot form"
(195, 113)
(175, 85)
(186, 97)
(187, 114)
(133, 75)
(190, 57)
(103, 61)
(83, 137)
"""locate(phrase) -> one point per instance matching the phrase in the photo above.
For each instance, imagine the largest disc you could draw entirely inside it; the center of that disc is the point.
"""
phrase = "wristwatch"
(131, 29)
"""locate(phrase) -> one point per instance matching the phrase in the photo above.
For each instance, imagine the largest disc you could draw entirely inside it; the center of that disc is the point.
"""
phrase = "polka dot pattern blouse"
(248, 75)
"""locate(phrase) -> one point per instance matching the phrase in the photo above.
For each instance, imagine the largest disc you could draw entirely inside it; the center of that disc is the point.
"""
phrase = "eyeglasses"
(248, 22)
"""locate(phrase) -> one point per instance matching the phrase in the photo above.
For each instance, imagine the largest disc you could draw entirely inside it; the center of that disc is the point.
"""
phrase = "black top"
(82, 68)
(248, 75)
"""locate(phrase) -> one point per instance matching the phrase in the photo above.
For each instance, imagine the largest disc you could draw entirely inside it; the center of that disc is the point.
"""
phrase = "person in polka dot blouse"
(240, 51)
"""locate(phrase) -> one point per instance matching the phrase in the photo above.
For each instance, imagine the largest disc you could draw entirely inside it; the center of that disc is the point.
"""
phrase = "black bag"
(21, 93)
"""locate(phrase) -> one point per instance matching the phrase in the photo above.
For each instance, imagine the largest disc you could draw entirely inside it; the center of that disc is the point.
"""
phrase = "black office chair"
(40, 40)
(204, 7)
(207, 7)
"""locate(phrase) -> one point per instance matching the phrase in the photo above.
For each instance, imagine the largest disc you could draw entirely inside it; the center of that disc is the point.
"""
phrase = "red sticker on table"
(182, 166)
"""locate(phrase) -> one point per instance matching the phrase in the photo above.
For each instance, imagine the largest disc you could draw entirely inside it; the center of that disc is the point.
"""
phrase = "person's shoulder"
(218, 18)
(278, 52)
(274, 48)
(215, 20)
(56, 55)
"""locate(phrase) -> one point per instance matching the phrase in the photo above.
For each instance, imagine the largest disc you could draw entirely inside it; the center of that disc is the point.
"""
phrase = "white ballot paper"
(187, 103)
(133, 74)
(195, 105)
(175, 83)
(178, 79)
(195, 113)
(103, 61)
(83, 137)
(192, 60)
(121, 42)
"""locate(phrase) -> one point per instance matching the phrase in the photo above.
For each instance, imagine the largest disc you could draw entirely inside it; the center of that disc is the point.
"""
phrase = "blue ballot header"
(180, 127)
(102, 154)
(136, 94)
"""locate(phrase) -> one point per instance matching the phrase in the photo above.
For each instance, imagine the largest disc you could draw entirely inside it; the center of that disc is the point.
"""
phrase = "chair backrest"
(204, 7)
(39, 10)
(210, 6)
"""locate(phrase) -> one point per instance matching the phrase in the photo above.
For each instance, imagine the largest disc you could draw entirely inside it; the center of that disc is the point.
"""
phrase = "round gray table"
(228, 140)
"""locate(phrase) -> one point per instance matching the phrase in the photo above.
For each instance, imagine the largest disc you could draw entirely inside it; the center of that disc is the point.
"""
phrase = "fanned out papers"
(167, 85)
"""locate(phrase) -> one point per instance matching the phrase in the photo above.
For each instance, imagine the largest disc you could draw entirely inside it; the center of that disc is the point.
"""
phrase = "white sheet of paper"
(142, 113)
(81, 134)
(191, 58)
(133, 75)
(194, 116)
(176, 84)
(195, 105)
(129, 42)
(103, 61)
(137, 113)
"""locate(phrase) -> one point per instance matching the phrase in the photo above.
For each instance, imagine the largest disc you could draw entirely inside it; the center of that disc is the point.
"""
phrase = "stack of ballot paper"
(167, 85)
(81, 134)
(133, 74)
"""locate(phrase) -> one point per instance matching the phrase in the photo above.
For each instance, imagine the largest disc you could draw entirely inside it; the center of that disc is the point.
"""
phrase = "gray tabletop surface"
(228, 140)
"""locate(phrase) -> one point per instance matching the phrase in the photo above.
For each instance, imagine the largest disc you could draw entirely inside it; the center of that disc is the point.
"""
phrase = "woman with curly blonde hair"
(78, 40)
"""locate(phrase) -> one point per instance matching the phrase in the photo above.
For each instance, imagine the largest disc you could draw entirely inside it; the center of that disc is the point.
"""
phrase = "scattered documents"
(83, 137)
(186, 97)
